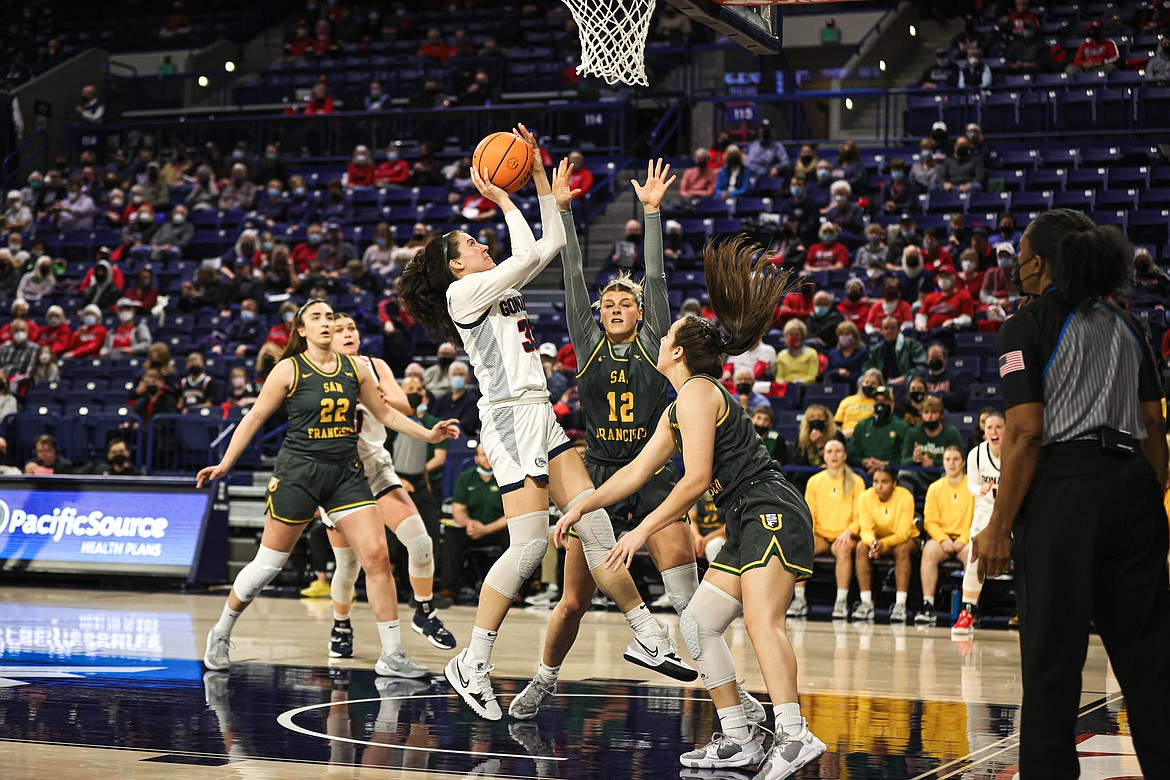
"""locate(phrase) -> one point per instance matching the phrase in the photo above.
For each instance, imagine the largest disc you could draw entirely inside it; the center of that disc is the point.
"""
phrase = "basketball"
(508, 160)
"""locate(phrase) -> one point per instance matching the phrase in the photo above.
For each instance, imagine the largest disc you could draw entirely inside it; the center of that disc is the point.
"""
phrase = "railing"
(32, 155)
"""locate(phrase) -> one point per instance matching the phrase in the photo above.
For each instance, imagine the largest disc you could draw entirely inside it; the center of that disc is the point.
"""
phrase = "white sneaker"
(474, 686)
(602, 601)
(399, 664)
(723, 751)
(751, 705)
(527, 703)
(662, 657)
(662, 602)
(840, 611)
(216, 658)
(898, 613)
(548, 599)
(798, 608)
(790, 753)
(863, 611)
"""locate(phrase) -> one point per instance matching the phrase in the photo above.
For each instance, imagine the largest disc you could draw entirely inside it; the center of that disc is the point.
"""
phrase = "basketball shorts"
(299, 485)
(520, 440)
(768, 519)
(630, 511)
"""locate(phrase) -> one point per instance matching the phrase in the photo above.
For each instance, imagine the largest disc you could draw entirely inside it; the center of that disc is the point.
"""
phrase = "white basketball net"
(613, 38)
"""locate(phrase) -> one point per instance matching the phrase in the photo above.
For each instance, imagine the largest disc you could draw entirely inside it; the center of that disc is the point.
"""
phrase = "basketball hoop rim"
(755, 3)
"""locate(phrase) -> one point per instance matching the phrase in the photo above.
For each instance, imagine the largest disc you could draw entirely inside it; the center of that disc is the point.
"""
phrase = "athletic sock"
(842, 595)
(548, 674)
(339, 618)
(480, 648)
(734, 723)
(967, 605)
(900, 597)
(928, 601)
(798, 593)
(227, 621)
(425, 606)
(391, 635)
(867, 597)
(788, 718)
(641, 619)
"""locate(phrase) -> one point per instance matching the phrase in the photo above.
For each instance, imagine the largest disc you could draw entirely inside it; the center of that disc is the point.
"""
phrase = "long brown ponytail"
(296, 342)
(422, 289)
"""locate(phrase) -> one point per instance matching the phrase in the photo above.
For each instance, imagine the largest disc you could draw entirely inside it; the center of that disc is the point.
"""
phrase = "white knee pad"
(420, 551)
(971, 583)
(713, 547)
(597, 539)
(345, 574)
(681, 582)
(702, 625)
(528, 539)
(256, 576)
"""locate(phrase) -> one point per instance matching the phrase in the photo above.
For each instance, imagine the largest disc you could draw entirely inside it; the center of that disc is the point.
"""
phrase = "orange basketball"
(507, 158)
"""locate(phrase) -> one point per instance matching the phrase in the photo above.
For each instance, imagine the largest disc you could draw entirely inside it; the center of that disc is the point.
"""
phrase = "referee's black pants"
(1091, 544)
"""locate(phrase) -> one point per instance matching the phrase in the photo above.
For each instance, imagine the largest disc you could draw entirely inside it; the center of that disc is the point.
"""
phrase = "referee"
(1083, 473)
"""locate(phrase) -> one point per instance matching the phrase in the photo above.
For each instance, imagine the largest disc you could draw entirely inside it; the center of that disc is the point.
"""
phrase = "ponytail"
(422, 288)
(743, 294)
(296, 342)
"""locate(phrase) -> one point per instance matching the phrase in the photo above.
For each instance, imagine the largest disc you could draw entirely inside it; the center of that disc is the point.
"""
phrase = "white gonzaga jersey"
(371, 433)
(982, 469)
(493, 323)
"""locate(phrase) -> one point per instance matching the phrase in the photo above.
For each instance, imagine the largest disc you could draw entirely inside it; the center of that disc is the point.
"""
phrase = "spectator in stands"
(758, 360)
(970, 277)
(75, 211)
(102, 284)
(626, 252)
(1097, 53)
(280, 277)
(998, 289)
(475, 207)
(874, 248)
(834, 500)
(859, 406)
(745, 383)
(819, 188)
(734, 178)
(117, 462)
(17, 216)
(765, 155)
(897, 193)
(246, 332)
(394, 171)
(244, 249)
(845, 214)
(271, 166)
(336, 251)
(848, 358)
(480, 91)
(153, 396)
(19, 354)
(56, 332)
(461, 402)
(963, 172)
(886, 521)
(308, 250)
(46, 458)
(762, 421)
(172, 238)
(925, 173)
(925, 444)
(800, 208)
(478, 514)
(950, 308)
(19, 311)
(205, 194)
(948, 511)
(968, 40)
(828, 253)
(46, 369)
(274, 344)
(822, 323)
(1158, 66)
(676, 250)
(1020, 17)
(981, 246)
(426, 171)
(915, 281)
(174, 172)
(9, 275)
(89, 109)
(436, 378)
(156, 191)
(817, 429)
(1155, 17)
(942, 74)
(8, 402)
(855, 308)
(376, 99)
(144, 294)
(131, 336)
(699, 181)
(1027, 53)
(897, 355)
(240, 392)
(851, 168)
(272, 207)
(88, 339)
(38, 283)
(435, 48)
(788, 248)
(1149, 287)
(198, 389)
(138, 233)
(360, 171)
(299, 209)
(805, 165)
(952, 387)
(320, 101)
(877, 440)
(909, 407)
(875, 283)
(975, 73)
(379, 255)
(420, 234)
(239, 193)
(158, 357)
(52, 191)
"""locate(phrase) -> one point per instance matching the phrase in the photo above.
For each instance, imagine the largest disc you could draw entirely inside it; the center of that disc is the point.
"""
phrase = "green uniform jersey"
(740, 458)
(322, 410)
(622, 399)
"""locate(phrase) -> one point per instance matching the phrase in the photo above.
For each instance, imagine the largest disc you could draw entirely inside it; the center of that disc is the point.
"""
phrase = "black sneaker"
(433, 629)
(341, 641)
(926, 616)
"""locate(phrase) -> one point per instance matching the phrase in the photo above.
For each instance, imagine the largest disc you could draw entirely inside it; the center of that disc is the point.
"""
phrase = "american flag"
(1011, 361)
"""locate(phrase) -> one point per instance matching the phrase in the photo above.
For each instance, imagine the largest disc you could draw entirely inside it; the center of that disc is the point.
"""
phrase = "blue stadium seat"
(22, 429)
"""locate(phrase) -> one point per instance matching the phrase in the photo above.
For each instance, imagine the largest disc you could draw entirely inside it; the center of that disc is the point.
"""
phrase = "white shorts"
(978, 523)
(331, 521)
(520, 440)
(380, 473)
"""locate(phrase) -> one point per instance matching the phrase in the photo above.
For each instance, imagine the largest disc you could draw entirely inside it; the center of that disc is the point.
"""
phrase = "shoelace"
(222, 644)
(483, 682)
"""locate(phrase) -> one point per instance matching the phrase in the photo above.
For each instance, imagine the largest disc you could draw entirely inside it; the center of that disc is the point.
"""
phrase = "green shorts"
(633, 509)
(299, 485)
(767, 519)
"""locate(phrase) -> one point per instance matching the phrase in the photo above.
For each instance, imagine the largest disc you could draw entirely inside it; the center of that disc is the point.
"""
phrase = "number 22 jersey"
(322, 410)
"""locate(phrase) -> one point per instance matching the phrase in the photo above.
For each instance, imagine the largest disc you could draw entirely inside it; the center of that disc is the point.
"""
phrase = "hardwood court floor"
(100, 684)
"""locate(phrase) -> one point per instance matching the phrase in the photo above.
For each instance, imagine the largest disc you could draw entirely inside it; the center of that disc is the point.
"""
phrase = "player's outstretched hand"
(210, 474)
(490, 191)
(562, 192)
(567, 521)
(622, 554)
(654, 190)
(525, 135)
(443, 430)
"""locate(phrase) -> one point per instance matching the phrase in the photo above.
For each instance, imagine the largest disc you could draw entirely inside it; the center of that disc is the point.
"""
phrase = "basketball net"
(613, 38)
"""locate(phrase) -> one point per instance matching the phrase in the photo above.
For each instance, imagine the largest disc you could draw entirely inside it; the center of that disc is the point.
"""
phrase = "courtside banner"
(117, 525)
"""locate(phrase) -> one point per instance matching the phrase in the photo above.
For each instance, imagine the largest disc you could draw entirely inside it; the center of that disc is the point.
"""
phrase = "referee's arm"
(1154, 447)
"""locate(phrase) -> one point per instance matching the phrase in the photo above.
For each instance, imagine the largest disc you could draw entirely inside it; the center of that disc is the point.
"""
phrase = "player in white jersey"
(983, 483)
(397, 510)
(453, 287)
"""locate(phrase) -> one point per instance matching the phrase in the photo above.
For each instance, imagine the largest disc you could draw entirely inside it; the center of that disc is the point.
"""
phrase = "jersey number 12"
(623, 412)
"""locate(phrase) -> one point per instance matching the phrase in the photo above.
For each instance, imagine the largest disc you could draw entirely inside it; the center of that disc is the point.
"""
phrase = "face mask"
(444, 362)
(744, 388)
(1029, 35)
(117, 203)
(936, 365)
(247, 316)
(361, 160)
(853, 295)
(237, 154)
(89, 320)
(237, 181)
(817, 425)
(845, 341)
(299, 192)
(869, 391)
(973, 62)
(335, 239)
(932, 426)
(946, 283)
(823, 174)
(820, 311)
(144, 216)
(238, 382)
(136, 200)
(874, 273)
(458, 383)
(874, 241)
(314, 238)
(271, 157)
(179, 219)
(828, 239)
(19, 337)
(119, 460)
(970, 265)
(912, 262)
(762, 430)
(274, 194)
(288, 316)
(54, 322)
(930, 245)
(890, 295)
(794, 342)
(195, 370)
(898, 175)
(942, 61)
(266, 246)
(382, 242)
(796, 191)
(916, 396)
(247, 250)
(841, 199)
(1006, 262)
(963, 151)
(392, 156)
(805, 159)
(126, 316)
(44, 359)
(414, 399)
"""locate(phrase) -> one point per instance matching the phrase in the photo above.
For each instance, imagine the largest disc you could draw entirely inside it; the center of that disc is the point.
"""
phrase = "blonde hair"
(622, 283)
(932, 403)
(794, 326)
(804, 443)
(849, 476)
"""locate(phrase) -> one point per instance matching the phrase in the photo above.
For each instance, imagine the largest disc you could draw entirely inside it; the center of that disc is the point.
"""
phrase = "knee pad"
(971, 583)
(528, 539)
(713, 547)
(597, 539)
(345, 574)
(702, 624)
(681, 582)
(256, 576)
(419, 548)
